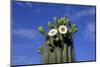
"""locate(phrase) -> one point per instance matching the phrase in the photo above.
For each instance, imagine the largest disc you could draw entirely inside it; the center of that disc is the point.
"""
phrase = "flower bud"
(41, 29)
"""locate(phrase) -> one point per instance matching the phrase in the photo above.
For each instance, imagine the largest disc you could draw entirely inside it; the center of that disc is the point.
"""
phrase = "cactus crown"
(60, 23)
(58, 45)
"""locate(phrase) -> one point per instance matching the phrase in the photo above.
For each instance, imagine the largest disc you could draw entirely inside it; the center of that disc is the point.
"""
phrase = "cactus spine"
(58, 47)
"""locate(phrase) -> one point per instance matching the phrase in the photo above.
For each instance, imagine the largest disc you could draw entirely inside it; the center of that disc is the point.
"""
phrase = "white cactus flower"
(63, 29)
(52, 32)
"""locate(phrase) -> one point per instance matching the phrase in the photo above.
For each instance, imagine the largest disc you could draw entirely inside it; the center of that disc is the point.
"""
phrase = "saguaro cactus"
(58, 46)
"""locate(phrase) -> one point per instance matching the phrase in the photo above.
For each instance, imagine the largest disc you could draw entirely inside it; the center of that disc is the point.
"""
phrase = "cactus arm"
(40, 50)
(51, 41)
(72, 29)
(48, 42)
(67, 21)
(50, 25)
(41, 29)
(58, 55)
(71, 50)
(70, 54)
(46, 51)
(65, 57)
(73, 55)
(55, 20)
(52, 57)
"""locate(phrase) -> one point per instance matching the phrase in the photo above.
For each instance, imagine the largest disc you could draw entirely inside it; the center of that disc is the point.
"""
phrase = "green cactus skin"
(73, 56)
(40, 50)
(64, 53)
(41, 29)
(50, 58)
(50, 25)
(58, 49)
(51, 41)
(46, 51)
(53, 57)
(69, 54)
(59, 55)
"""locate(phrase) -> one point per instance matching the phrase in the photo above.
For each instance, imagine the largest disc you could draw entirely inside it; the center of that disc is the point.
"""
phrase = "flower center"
(63, 29)
(52, 32)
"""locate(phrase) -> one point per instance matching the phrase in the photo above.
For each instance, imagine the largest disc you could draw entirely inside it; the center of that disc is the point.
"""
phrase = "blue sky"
(28, 16)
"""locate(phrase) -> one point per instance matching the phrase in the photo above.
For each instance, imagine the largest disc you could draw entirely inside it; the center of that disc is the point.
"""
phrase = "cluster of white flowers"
(62, 29)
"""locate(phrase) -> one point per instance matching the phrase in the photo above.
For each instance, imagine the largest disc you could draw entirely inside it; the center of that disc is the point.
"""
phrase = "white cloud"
(24, 4)
(21, 4)
(37, 11)
(23, 59)
(68, 8)
(29, 4)
(82, 13)
(28, 33)
(89, 32)
(90, 11)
